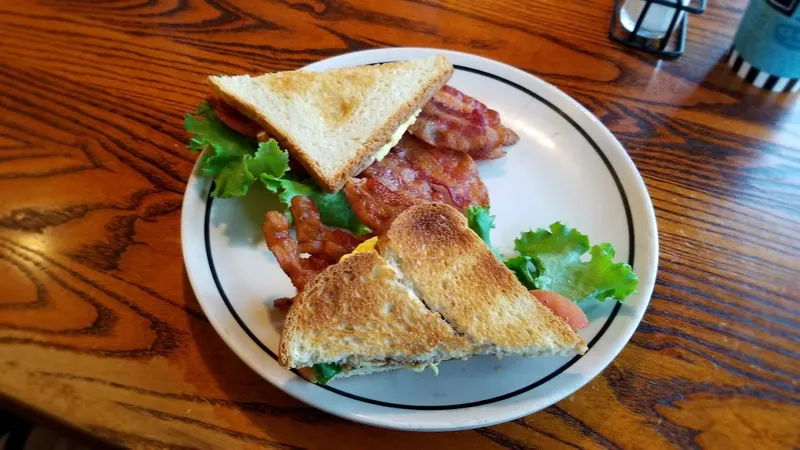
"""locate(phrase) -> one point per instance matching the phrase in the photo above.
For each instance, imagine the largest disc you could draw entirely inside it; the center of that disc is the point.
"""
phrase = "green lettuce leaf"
(234, 177)
(334, 209)
(325, 372)
(235, 162)
(269, 160)
(481, 222)
(227, 152)
(560, 251)
(527, 269)
(208, 130)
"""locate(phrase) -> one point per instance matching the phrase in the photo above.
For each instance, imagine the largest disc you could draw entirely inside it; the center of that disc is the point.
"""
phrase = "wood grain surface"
(100, 331)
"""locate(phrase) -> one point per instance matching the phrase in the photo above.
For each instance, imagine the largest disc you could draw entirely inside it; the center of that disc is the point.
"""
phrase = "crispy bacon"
(315, 238)
(427, 173)
(414, 172)
(324, 245)
(454, 171)
(457, 121)
(279, 240)
(398, 174)
(374, 204)
(283, 302)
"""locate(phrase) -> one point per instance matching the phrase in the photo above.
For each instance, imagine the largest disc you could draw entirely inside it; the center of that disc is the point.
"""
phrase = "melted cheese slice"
(366, 246)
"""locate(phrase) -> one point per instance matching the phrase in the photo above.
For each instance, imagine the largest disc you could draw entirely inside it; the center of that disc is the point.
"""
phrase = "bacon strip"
(427, 173)
(454, 171)
(324, 245)
(457, 121)
(279, 240)
(414, 172)
(397, 174)
(315, 238)
(374, 204)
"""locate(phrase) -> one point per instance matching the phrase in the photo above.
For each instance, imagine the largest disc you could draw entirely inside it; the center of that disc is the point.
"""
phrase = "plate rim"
(461, 417)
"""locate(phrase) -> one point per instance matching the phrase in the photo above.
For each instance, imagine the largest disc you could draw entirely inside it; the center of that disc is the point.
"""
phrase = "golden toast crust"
(336, 95)
(458, 276)
(357, 309)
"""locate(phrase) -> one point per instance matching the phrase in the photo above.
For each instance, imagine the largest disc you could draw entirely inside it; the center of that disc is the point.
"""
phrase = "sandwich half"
(358, 317)
(336, 122)
(446, 264)
(431, 291)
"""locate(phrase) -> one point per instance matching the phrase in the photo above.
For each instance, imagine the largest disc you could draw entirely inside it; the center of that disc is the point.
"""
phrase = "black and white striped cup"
(761, 78)
(766, 48)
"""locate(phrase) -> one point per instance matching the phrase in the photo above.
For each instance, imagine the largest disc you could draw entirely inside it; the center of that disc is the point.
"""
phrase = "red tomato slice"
(563, 307)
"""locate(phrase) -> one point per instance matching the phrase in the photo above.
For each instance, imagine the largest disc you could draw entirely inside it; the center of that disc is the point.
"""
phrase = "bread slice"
(334, 122)
(358, 315)
(453, 271)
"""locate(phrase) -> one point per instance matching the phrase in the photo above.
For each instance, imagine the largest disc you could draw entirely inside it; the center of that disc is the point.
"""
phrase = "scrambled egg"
(397, 136)
(366, 246)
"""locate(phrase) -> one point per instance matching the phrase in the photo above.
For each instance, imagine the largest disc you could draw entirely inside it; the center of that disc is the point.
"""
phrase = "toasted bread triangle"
(357, 313)
(334, 122)
(453, 271)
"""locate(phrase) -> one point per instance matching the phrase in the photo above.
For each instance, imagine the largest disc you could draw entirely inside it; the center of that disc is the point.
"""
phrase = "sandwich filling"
(325, 372)
(383, 151)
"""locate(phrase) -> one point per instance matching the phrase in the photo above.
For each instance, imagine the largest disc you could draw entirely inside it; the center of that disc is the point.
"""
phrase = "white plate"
(567, 166)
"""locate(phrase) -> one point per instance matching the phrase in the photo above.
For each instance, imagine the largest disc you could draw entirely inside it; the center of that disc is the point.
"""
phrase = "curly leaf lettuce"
(225, 158)
(236, 162)
(482, 223)
(334, 209)
(269, 160)
(554, 259)
(527, 269)
(561, 251)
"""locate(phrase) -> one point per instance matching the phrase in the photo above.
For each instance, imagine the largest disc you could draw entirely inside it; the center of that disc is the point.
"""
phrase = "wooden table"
(100, 331)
